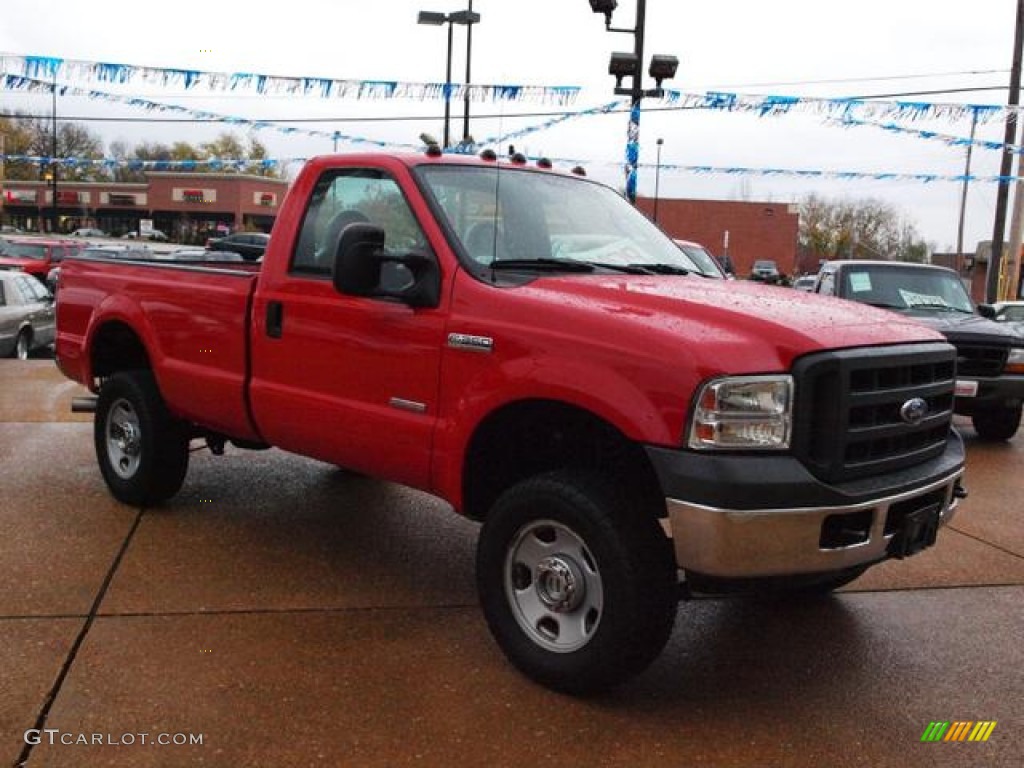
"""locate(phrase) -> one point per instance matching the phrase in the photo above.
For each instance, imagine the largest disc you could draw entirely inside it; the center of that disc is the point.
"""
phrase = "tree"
(855, 229)
(16, 142)
(34, 136)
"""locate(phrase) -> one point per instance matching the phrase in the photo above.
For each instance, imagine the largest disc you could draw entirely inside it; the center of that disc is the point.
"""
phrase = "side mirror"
(358, 269)
(987, 310)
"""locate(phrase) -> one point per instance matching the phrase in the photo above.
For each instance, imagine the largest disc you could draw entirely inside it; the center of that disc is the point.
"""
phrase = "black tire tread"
(165, 441)
(640, 608)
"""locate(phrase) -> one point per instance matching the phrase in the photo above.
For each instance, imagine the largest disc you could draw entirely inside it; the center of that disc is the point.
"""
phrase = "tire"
(23, 344)
(997, 423)
(141, 449)
(578, 585)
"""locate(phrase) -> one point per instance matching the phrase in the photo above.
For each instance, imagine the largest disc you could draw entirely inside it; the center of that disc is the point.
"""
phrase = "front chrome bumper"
(731, 543)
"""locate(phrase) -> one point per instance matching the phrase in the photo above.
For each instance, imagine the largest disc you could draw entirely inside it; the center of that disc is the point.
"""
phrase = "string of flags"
(839, 108)
(37, 74)
(240, 164)
(52, 68)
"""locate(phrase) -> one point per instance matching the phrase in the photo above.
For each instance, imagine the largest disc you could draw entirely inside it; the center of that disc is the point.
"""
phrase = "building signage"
(20, 195)
(121, 198)
(193, 195)
(268, 199)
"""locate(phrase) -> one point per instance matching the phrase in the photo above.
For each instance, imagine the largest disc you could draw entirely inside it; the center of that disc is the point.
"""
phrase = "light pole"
(467, 18)
(631, 65)
(657, 180)
(54, 217)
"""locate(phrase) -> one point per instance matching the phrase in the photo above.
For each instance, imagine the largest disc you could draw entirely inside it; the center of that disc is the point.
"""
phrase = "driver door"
(346, 379)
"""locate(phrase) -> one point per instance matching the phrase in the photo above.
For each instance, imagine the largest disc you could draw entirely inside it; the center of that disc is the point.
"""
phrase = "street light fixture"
(624, 65)
(466, 18)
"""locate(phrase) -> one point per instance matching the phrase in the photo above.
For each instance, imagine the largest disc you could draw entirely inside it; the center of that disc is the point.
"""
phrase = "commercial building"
(187, 207)
(743, 231)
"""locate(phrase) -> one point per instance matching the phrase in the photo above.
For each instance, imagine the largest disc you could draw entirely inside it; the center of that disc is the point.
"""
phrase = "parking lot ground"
(286, 613)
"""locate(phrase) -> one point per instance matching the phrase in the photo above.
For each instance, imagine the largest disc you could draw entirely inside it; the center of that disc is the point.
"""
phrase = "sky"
(798, 48)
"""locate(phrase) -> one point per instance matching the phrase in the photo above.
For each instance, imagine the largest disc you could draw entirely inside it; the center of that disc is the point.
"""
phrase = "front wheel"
(997, 423)
(141, 448)
(23, 345)
(578, 584)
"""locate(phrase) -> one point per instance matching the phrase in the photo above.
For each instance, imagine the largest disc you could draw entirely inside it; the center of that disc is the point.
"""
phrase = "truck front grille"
(850, 419)
(979, 359)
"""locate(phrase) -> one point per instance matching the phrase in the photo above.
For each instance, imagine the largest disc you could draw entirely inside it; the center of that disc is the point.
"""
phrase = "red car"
(36, 256)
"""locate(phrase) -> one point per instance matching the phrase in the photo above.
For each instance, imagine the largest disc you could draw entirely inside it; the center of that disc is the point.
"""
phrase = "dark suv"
(990, 357)
(252, 245)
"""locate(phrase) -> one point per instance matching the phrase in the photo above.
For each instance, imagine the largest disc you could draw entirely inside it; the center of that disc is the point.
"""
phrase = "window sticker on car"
(860, 282)
(912, 299)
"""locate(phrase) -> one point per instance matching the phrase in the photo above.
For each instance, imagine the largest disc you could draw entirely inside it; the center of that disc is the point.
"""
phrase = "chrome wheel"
(123, 439)
(553, 586)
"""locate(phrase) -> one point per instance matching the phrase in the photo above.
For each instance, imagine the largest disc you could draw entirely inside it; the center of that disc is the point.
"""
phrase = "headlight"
(743, 413)
(1015, 362)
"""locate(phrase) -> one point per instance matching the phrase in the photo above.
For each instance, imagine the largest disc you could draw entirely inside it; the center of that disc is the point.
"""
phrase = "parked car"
(147, 234)
(36, 256)
(765, 271)
(8, 229)
(706, 264)
(252, 245)
(200, 255)
(1009, 312)
(990, 357)
(805, 282)
(134, 252)
(26, 315)
(88, 232)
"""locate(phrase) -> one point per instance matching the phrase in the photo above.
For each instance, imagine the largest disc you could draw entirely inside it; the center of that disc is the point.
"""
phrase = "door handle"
(275, 319)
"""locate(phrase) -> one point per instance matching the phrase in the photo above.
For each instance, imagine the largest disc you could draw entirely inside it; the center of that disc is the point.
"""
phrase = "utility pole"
(54, 218)
(1006, 165)
(963, 195)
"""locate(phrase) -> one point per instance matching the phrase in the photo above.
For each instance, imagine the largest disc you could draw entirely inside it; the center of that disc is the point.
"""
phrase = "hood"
(958, 326)
(16, 261)
(764, 326)
(20, 263)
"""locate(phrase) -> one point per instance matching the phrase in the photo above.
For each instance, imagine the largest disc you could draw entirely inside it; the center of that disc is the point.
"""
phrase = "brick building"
(744, 231)
(186, 206)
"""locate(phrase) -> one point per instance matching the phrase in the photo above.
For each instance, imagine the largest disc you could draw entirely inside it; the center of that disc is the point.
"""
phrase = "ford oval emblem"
(914, 410)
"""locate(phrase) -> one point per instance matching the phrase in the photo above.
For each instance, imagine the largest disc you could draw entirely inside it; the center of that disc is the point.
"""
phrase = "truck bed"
(194, 323)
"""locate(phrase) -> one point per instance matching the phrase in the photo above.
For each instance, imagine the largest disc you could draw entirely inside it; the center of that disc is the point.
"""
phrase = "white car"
(26, 315)
(1011, 313)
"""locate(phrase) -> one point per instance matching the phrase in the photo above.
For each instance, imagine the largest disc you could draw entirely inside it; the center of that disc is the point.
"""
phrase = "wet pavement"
(287, 613)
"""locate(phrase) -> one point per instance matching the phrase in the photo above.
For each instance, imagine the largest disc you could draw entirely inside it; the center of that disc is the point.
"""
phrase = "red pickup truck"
(524, 344)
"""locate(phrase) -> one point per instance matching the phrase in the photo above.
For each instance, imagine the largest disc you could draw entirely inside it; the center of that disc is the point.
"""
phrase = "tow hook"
(959, 492)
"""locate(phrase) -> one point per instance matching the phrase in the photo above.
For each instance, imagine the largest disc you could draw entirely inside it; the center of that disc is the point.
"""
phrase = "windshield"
(24, 251)
(527, 218)
(704, 261)
(909, 288)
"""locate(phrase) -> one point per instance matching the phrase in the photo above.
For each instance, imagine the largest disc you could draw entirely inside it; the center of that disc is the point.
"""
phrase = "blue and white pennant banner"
(73, 70)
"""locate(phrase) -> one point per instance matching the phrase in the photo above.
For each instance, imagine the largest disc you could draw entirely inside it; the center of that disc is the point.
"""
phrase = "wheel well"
(116, 347)
(531, 437)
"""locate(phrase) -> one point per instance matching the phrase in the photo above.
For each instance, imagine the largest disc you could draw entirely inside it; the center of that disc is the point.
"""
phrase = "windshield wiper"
(568, 265)
(545, 265)
(663, 269)
(943, 307)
